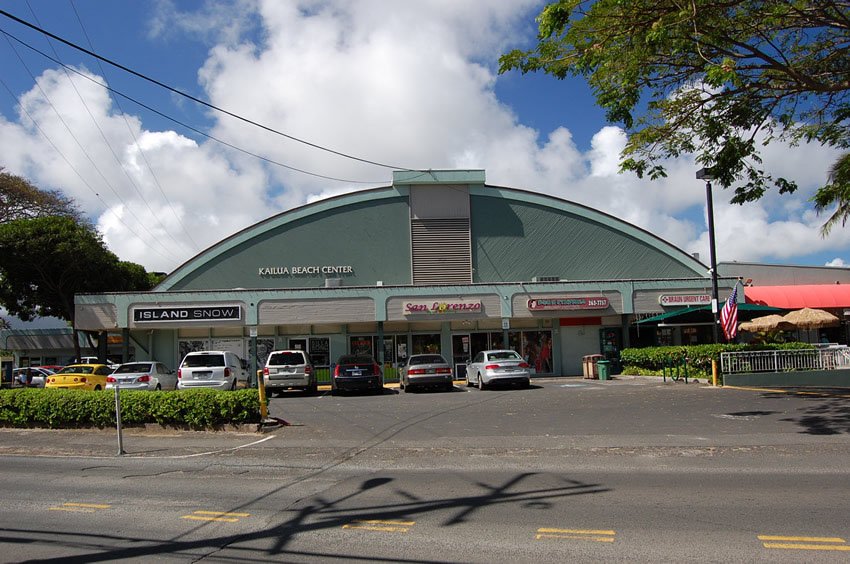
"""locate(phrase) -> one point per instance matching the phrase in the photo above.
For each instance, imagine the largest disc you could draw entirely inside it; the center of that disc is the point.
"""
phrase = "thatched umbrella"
(808, 318)
(766, 323)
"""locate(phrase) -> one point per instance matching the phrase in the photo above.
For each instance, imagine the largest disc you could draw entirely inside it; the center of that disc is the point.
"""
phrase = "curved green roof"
(364, 237)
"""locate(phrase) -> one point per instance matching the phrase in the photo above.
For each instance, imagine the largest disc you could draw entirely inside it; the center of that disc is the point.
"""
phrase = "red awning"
(821, 296)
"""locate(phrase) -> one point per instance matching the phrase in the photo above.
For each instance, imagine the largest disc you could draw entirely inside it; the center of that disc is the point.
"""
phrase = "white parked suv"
(289, 369)
(221, 370)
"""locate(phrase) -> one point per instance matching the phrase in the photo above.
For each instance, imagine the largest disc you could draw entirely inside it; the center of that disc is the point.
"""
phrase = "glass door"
(460, 354)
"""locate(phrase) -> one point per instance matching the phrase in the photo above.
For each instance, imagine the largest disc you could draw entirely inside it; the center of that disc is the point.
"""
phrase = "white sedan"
(499, 366)
(32, 377)
(142, 375)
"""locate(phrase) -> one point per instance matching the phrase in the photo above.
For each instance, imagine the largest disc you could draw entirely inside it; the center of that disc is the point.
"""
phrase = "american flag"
(729, 315)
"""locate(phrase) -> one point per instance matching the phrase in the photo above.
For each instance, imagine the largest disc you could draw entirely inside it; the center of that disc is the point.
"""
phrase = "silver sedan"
(422, 370)
(144, 375)
(498, 366)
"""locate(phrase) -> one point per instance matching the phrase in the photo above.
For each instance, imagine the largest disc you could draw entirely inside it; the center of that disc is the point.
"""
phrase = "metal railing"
(831, 358)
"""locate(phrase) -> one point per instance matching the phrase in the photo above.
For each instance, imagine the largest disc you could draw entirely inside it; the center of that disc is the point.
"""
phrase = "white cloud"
(837, 262)
(406, 84)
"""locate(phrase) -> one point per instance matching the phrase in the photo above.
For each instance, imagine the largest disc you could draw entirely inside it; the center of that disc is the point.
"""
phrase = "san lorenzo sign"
(187, 313)
(438, 307)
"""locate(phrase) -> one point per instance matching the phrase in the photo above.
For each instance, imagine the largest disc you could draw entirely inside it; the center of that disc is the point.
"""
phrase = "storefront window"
(426, 344)
(320, 351)
(537, 350)
(363, 344)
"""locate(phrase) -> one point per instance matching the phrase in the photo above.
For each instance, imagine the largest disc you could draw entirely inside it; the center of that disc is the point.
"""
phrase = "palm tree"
(836, 191)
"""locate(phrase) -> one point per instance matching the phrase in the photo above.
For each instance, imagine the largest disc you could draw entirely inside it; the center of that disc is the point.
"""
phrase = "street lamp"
(705, 174)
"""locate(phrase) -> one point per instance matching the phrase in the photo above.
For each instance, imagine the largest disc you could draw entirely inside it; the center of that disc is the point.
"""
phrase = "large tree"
(45, 261)
(21, 199)
(715, 78)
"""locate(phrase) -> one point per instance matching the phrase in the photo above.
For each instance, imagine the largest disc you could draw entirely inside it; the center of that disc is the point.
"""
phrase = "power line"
(82, 149)
(106, 142)
(133, 135)
(198, 100)
(185, 125)
(73, 168)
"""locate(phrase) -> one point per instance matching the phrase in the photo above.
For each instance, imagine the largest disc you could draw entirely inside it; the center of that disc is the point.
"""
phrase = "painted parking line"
(221, 516)
(804, 543)
(380, 525)
(594, 535)
(80, 507)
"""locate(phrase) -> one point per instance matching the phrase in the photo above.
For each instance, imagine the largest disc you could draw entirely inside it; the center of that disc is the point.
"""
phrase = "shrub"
(652, 360)
(196, 409)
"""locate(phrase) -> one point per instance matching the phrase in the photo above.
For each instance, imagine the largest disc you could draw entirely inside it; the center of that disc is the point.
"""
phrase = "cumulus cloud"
(408, 85)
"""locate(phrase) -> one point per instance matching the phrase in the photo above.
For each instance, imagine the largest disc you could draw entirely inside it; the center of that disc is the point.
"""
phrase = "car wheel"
(97, 388)
(449, 386)
(233, 386)
(407, 388)
(158, 388)
(313, 388)
(480, 382)
(526, 383)
(468, 382)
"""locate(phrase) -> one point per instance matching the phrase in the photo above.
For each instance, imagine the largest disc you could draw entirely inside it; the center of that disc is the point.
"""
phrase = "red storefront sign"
(568, 304)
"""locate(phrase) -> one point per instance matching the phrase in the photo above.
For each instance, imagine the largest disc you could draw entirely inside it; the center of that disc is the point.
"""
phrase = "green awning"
(749, 310)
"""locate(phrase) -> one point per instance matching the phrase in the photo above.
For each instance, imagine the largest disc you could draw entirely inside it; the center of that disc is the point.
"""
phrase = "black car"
(357, 372)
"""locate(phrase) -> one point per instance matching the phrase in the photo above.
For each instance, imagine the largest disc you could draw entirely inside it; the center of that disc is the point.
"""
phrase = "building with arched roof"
(438, 261)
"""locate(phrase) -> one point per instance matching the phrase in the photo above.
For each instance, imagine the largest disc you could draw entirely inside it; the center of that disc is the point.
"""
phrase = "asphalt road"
(569, 470)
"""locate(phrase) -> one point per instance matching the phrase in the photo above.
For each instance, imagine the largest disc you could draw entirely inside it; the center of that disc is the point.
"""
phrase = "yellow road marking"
(840, 547)
(80, 507)
(197, 518)
(380, 525)
(799, 543)
(576, 534)
(221, 516)
(802, 539)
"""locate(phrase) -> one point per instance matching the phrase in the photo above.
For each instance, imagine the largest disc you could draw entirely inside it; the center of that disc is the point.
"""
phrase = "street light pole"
(705, 174)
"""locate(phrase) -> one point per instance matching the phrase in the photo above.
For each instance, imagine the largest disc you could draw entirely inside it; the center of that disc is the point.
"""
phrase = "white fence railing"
(830, 358)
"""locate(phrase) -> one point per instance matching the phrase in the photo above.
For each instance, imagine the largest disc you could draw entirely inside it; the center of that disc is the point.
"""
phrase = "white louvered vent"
(442, 252)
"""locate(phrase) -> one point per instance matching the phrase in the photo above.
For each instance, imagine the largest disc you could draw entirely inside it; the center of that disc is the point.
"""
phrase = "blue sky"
(408, 84)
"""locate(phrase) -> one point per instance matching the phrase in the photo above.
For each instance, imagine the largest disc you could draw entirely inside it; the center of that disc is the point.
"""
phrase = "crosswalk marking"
(804, 543)
(380, 525)
(80, 507)
(221, 516)
(594, 535)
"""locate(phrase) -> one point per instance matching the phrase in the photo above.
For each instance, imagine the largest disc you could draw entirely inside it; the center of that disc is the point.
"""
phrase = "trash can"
(604, 367)
(588, 365)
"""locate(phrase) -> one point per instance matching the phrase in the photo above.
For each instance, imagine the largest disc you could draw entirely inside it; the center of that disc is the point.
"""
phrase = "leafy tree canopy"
(20, 199)
(45, 261)
(715, 78)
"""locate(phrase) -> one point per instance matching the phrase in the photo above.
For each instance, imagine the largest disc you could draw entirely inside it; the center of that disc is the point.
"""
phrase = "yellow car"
(80, 377)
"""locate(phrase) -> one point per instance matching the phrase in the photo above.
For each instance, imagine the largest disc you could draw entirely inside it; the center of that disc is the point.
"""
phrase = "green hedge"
(195, 409)
(652, 360)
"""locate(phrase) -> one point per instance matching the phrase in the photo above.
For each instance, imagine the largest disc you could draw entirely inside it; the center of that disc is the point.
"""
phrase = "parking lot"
(632, 469)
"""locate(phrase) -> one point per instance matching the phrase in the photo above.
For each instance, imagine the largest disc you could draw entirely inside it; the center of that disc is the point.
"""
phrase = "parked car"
(502, 366)
(32, 377)
(424, 370)
(143, 375)
(94, 360)
(357, 372)
(80, 377)
(222, 370)
(290, 369)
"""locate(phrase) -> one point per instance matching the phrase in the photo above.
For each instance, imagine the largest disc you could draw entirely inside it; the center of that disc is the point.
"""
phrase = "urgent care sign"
(684, 299)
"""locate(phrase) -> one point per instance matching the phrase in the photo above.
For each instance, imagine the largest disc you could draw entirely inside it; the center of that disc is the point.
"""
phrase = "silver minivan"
(289, 369)
(221, 370)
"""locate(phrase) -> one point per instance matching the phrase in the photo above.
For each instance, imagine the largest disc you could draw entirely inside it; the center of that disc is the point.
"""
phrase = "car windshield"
(286, 358)
(77, 370)
(356, 359)
(427, 359)
(198, 360)
(132, 368)
(504, 355)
